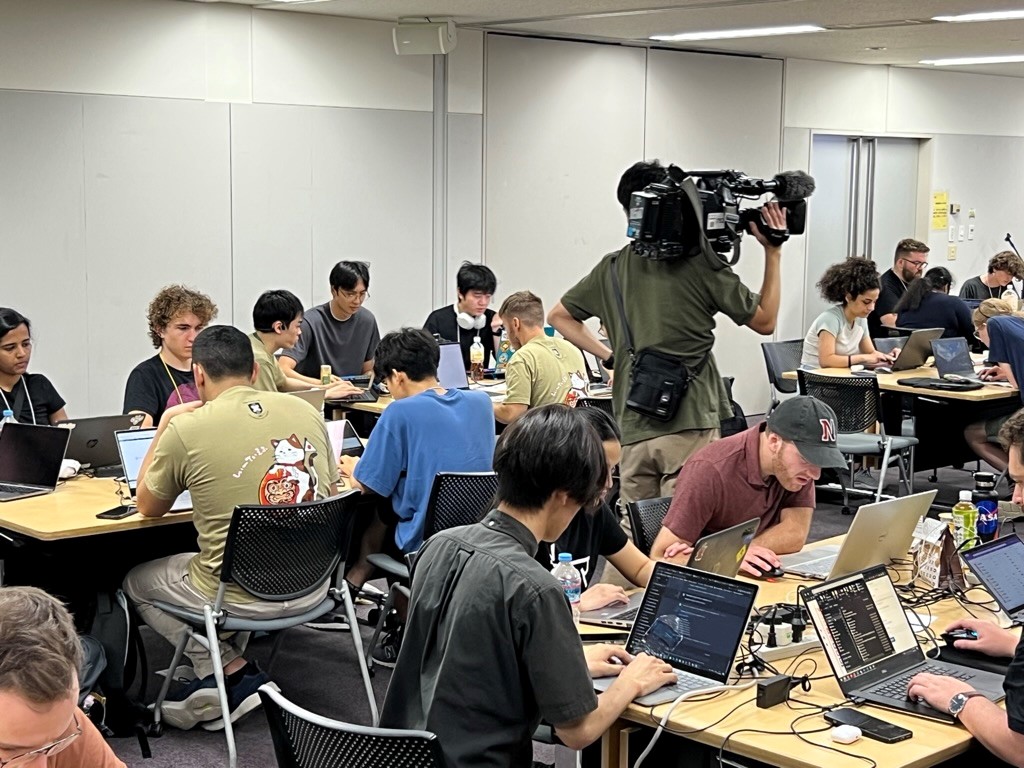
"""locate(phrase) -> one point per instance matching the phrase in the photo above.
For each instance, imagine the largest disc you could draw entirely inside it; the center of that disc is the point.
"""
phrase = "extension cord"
(785, 651)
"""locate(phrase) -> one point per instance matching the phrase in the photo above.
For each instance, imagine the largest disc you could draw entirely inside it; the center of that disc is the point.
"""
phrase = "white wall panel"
(831, 96)
(925, 101)
(465, 197)
(228, 53)
(466, 73)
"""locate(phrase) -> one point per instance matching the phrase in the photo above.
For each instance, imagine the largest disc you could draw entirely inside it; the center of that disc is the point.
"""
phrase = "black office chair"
(856, 403)
(779, 357)
(303, 739)
(604, 403)
(274, 553)
(645, 519)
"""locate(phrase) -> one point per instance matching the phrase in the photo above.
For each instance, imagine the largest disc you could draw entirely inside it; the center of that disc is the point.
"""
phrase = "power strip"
(786, 651)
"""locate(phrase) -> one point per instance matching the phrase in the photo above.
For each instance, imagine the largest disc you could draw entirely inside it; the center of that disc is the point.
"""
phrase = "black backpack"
(736, 423)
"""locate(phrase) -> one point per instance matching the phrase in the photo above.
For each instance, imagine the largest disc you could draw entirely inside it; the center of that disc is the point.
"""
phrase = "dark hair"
(550, 448)
(411, 351)
(1012, 433)
(907, 246)
(275, 306)
(175, 300)
(347, 274)
(935, 279)
(475, 277)
(11, 319)
(851, 277)
(636, 177)
(605, 425)
(1007, 261)
(224, 352)
(525, 305)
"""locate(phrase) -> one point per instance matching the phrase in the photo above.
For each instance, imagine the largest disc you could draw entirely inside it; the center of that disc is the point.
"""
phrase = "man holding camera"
(670, 306)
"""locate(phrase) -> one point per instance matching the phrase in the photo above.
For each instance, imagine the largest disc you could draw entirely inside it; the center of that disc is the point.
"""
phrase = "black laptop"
(30, 459)
(999, 566)
(92, 442)
(953, 358)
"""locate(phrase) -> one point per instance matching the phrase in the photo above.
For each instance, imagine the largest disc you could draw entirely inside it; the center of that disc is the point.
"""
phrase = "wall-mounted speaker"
(427, 37)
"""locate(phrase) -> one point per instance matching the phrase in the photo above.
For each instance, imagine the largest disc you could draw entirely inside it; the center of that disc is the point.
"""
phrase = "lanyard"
(31, 408)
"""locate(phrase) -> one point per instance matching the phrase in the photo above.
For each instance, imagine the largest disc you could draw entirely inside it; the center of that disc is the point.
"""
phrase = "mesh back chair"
(456, 498)
(604, 403)
(274, 553)
(855, 400)
(779, 357)
(303, 739)
(645, 520)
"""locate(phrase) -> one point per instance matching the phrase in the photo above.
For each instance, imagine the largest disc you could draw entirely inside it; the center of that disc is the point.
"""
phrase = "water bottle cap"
(564, 557)
(8, 412)
(476, 339)
(965, 495)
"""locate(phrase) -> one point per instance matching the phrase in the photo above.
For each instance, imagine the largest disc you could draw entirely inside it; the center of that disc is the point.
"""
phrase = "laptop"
(916, 350)
(132, 445)
(871, 646)
(345, 441)
(953, 358)
(720, 553)
(92, 441)
(879, 534)
(999, 566)
(694, 620)
(314, 397)
(451, 371)
(30, 459)
(368, 395)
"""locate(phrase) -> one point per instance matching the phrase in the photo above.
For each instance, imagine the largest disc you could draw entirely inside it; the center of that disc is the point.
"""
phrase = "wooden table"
(888, 382)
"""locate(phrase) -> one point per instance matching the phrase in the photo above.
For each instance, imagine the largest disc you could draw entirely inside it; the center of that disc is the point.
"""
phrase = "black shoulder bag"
(657, 380)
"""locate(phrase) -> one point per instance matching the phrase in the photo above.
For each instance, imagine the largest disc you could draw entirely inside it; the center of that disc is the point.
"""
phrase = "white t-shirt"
(848, 337)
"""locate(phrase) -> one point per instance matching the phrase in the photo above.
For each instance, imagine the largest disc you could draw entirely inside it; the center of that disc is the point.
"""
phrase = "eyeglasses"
(977, 330)
(919, 264)
(355, 295)
(50, 749)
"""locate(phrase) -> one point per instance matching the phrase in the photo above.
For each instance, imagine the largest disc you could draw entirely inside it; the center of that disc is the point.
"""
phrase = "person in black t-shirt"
(597, 534)
(30, 396)
(469, 316)
(909, 262)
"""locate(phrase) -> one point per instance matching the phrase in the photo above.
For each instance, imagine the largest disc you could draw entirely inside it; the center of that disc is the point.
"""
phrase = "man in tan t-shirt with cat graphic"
(236, 446)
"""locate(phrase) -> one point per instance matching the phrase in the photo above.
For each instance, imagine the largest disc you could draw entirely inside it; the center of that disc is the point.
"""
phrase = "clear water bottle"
(572, 584)
(7, 418)
(476, 360)
(986, 499)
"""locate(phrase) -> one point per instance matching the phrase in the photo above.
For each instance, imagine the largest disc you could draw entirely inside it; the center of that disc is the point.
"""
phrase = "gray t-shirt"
(833, 321)
(342, 344)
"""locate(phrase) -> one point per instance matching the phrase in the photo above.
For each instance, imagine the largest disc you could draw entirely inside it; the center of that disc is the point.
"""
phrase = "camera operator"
(671, 305)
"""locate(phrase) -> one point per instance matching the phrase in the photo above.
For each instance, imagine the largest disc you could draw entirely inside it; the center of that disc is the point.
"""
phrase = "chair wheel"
(846, 511)
(156, 730)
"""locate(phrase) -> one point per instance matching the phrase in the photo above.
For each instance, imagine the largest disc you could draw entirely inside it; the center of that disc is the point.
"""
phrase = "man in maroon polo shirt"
(767, 471)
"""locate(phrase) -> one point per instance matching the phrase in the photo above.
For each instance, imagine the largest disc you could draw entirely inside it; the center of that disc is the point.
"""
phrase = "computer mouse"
(959, 634)
(845, 734)
(770, 573)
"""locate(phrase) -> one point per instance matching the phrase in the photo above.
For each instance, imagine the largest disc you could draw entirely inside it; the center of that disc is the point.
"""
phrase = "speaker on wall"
(427, 37)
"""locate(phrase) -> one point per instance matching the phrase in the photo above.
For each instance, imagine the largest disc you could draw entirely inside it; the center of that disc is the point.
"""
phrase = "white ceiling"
(902, 27)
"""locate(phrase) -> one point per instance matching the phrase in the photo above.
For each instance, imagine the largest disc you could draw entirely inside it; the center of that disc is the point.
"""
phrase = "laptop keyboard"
(5, 488)
(685, 681)
(896, 688)
(626, 615)
(819, 569)
(361, 397)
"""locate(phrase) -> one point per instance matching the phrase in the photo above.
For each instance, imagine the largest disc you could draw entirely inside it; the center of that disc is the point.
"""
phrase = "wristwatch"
(959, 701)
(609, 362)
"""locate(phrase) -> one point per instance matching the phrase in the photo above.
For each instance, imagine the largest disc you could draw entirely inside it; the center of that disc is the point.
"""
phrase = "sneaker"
(192, 704)
(386, 652)
(243, 696)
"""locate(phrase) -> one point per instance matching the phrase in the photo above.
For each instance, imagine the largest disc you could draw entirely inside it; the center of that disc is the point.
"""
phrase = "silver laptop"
(871, 646)
(132, 445)
(999, 566)
(451, 371)
(916, 350)
(314, 397)
(693, 620)
(30, 459)
(879, 534)
(92, 441)
(953, 358)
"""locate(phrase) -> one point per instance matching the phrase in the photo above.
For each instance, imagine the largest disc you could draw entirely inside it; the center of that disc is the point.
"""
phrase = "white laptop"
(451, 372)
(345, 441)
(879, 534)
(132, 445)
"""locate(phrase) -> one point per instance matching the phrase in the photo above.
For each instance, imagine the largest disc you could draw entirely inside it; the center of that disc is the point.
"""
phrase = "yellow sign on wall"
(940, 210)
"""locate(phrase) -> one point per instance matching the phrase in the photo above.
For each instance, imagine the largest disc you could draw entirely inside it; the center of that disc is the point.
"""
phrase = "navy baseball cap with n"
(811, 425)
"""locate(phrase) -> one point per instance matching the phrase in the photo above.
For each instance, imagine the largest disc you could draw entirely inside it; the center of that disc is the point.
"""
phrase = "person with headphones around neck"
(469, 316)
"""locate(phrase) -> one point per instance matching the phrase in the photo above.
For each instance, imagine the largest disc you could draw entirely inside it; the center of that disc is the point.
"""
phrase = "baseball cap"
(810, 424)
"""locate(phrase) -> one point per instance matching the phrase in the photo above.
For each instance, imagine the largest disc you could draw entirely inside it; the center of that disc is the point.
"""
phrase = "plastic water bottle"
(1010, 298)
(986, 499)
(572, 584)
(476, 360)
(965, 521)
(7, 418)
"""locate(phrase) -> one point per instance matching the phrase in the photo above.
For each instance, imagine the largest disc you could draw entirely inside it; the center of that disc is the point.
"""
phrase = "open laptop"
(30, 459)
(345, 441)
(916, 350)
(953, 358)
(719, 553)
(451, 371)
(999, 566)
(132, 445)
(368, 395)
(693, 620)
(92, 441)
(314, 397)
(879, 534)
(871, 646)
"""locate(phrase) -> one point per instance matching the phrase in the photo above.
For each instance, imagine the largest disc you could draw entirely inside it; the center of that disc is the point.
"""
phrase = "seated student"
(277, 318)
(40, 655)
(1002, 269)
(176, 315)
(469, 316)
(596, 534)
(544, 369)
(478, 590)
(768, 471)
(30, 396)
(927, 304)
(838, 337)
(999, 730)
(234, 446)
(340, 333)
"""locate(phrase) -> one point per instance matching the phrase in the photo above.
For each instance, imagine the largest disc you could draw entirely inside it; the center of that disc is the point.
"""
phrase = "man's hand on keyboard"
(341, 389)
(605, 659)
(646, 674)
(937, 690)
(600, 595)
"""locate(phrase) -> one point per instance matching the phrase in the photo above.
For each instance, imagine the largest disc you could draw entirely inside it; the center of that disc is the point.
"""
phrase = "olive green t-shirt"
(545, 370)
(243, 447)
(671, 307)
(270, 377)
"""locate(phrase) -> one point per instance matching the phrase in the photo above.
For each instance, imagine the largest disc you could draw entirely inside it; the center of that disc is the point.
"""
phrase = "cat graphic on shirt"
(291, 479)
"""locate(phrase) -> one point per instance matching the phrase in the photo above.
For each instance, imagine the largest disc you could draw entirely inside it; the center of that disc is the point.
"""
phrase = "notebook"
(92, 441)
(693, 620)
(999, 566)
(953, 358)
(30, 459)
(345, 441)
(132, 445)
(879, 534)
(871, 646)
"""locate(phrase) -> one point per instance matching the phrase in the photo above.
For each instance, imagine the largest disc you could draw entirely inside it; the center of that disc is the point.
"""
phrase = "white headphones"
(467, 322)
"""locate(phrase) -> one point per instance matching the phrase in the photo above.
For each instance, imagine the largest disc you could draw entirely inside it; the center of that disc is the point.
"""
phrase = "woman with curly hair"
(838, 338)
(927, 304)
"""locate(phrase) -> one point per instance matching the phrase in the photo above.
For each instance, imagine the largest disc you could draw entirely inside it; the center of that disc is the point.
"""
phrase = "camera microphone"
(791, 185)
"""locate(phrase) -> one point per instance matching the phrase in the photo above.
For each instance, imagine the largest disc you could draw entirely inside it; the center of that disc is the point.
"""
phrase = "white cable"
(679, 699)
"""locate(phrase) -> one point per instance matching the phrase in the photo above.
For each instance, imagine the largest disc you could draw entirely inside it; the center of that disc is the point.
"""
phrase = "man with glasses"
(40, 655)
(341, 333)
(910, 262)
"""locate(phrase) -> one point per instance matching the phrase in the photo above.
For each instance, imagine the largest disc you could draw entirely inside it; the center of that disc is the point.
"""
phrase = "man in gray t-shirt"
(340, 333)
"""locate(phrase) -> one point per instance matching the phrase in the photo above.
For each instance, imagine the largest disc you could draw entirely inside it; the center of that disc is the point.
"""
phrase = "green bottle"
(965, 522)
